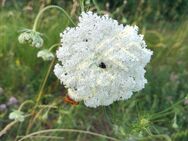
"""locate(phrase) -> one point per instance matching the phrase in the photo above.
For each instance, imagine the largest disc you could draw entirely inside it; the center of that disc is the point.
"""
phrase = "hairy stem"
(24, 103)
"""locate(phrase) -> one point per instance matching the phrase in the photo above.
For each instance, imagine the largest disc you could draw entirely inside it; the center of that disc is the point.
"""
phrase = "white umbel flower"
(101, 61)
(33, 38)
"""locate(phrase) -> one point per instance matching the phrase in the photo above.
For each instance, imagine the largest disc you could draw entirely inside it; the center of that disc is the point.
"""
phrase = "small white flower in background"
(101, 61)
(12, 101)
(45, 54)
(17, 115)
(31, 37)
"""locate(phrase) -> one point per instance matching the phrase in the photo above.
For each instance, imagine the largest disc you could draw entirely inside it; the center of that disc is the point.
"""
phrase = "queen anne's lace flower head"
(101, 61)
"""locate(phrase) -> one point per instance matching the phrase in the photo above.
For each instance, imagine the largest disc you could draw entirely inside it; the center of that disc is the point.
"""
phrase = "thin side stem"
(68, 130)
(24, 103)
(50, 7)
(161, 136)
(53, 46)
(7, 128)
(44, 82)
(82, 5)
(96, 5)
(167, 109)
(31, 121)
(40, 94)
(48, 137)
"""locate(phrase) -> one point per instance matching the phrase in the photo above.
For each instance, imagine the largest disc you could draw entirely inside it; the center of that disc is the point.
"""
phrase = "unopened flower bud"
(45, 54)
(33, 38)
(17, 115)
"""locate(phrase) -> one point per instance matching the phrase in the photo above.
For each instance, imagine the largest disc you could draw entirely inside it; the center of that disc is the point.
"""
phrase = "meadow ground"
(158, 112)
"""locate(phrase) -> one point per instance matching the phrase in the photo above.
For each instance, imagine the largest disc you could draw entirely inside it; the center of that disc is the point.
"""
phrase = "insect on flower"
(69, 100)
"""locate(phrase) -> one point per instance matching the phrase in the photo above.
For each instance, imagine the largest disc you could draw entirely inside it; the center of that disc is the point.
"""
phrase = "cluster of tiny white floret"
(101, 61)
(45, 54)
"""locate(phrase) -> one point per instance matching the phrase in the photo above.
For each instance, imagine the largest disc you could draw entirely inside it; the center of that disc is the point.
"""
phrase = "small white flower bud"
(23, 37)
(33, 38)
(45, 54)
(17, 115)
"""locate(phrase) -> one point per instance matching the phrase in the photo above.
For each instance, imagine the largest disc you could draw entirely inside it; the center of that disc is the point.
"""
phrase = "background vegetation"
(159, 112)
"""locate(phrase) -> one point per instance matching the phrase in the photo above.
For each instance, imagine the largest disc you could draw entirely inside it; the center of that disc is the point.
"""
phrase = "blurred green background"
(161, 108)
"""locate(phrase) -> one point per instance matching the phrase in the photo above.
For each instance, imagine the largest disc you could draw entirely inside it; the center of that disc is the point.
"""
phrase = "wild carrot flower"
(101, 61)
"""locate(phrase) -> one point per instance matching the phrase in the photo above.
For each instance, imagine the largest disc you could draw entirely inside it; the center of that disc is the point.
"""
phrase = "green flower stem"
(40, 95)
(53, 46)
(96, 5)
(70, 131)
(7, 128)
(82, 5)
(167, 110)
(33, 119)
(46, 137)
(148, 131)
(50, 7)
(162, 115)
(24, 103)
(44, 82)
(160, 136)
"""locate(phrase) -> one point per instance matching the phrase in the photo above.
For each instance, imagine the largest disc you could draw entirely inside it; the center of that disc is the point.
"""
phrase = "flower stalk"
(45, 9)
